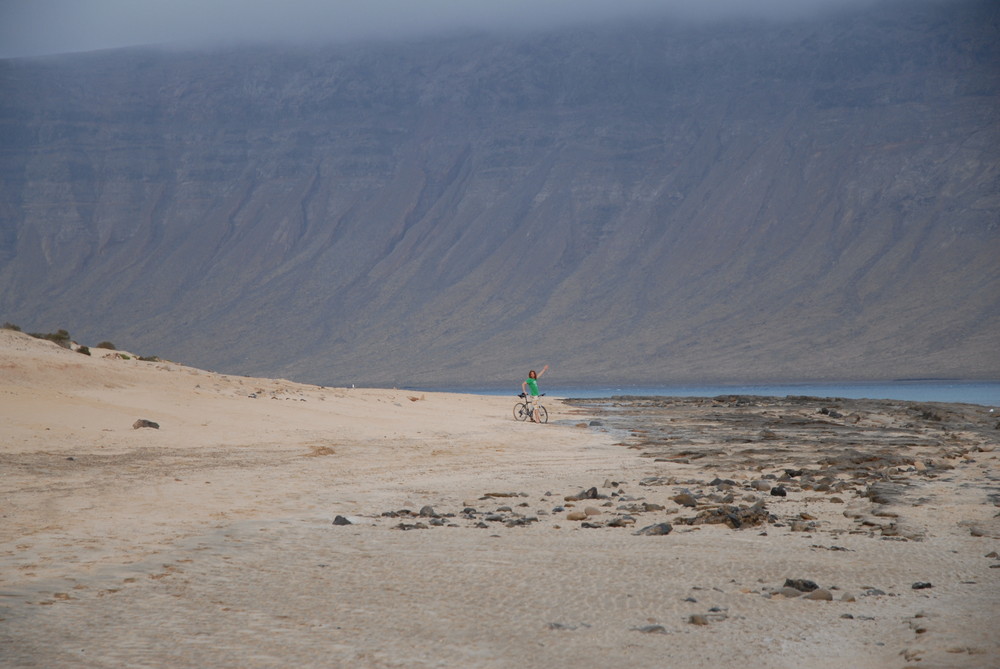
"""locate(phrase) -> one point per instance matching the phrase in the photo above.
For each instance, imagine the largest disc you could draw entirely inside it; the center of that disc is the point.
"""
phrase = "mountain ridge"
(762, 202)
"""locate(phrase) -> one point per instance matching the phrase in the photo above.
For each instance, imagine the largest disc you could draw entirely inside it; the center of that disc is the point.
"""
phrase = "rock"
(884, 492)
(576, 515)
(651, 629)
(521, 522)
(590, 493)
(778, 491)
(906, 531)
(920, 585)
(685, 499)
(856, 510)
(428, 512)
(592, 511)
(761, 485)
(564, 626)
(659, 529)
(142, 422)
(340, 520)
(848, 597)
(698, 619)
(819, 594)
(801, 584)
(733, 516)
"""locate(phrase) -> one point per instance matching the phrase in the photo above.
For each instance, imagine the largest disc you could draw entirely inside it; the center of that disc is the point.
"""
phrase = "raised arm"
(544, 369)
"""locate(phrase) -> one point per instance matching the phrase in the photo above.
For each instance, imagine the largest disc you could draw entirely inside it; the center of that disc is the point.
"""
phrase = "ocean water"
(986, 393)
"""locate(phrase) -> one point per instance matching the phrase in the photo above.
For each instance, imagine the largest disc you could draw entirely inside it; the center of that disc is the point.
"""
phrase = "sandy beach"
(266, 523)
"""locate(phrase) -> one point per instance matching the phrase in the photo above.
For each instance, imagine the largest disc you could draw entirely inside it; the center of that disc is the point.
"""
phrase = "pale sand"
(209, 542)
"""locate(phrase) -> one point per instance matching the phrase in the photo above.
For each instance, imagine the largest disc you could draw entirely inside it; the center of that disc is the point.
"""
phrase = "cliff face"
(651, 203)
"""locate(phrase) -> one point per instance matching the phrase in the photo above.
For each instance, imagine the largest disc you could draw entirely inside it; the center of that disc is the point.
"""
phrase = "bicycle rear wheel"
(521, 411)
(543, 415)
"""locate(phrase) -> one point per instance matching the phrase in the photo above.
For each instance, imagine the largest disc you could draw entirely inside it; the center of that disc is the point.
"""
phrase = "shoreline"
(981, 393)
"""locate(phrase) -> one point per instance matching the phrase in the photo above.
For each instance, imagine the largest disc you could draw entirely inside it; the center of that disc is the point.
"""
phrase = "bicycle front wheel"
(521, 411)
(543, 415)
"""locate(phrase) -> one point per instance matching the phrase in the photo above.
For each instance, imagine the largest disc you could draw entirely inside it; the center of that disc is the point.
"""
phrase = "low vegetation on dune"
(62, 338)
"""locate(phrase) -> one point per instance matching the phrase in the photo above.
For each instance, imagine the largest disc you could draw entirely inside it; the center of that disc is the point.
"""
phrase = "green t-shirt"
(532, 385)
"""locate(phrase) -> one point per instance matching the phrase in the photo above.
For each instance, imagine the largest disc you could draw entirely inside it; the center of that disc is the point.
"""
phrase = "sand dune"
(210, 541)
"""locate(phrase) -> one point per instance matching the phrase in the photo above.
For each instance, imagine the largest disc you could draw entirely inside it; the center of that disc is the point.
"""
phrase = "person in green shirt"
(530, 387)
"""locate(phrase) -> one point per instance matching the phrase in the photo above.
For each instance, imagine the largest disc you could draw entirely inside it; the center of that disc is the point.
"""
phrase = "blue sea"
(986, 393)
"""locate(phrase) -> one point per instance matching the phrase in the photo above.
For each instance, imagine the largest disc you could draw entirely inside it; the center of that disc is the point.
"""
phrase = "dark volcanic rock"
(658, 529)
(590, 493)
(801, 584)
(736, 517)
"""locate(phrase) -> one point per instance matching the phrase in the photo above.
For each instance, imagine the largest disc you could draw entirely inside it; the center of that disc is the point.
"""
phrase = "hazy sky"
(34, 27)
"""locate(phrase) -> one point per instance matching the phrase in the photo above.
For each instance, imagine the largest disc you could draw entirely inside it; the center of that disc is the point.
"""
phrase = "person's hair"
(532, 374)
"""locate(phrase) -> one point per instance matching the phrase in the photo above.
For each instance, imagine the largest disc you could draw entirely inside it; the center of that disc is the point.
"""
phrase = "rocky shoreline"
(751, 462)
(874, 457)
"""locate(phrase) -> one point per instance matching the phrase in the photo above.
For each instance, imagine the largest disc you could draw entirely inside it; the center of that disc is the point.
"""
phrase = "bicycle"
(522, 410)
